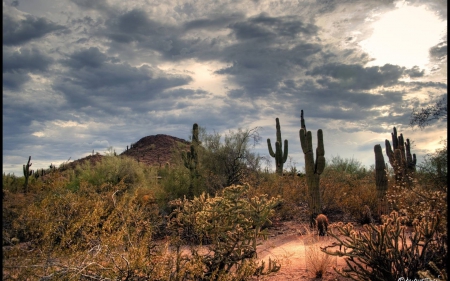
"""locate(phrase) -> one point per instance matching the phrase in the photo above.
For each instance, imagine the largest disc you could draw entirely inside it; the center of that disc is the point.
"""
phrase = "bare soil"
(289, 243)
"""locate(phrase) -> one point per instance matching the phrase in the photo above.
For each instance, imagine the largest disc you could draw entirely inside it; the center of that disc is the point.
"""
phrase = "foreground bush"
(230, 223)
(389, 251)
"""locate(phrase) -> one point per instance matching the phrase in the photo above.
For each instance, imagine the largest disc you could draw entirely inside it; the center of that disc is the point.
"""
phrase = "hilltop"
(154, 150)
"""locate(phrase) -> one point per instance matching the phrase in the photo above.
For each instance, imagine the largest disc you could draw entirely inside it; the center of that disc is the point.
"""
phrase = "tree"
(227, 162)
(423, 117)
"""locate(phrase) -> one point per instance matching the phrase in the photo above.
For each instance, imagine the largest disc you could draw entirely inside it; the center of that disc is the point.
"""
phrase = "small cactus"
(27, 173)
(280, 157)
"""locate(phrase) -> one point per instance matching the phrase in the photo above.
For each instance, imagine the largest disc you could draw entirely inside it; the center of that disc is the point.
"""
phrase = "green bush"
(112, 170)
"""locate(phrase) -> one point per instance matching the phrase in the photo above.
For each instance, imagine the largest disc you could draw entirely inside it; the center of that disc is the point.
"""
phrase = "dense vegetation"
(123, 220)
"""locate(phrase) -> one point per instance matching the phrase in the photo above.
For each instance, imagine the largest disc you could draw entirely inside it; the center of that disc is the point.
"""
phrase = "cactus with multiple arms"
(400, 158)
(313, 168)
(381, 180)
(280, 157)
(27, 173)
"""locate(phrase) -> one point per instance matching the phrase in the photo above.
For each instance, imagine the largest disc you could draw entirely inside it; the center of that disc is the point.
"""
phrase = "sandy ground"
(290, 243)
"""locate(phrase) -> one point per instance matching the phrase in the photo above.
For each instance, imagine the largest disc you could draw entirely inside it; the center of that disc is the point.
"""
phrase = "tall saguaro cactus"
(280, 157)
(190, 158)
(381, 180)
(27, 173)
(401, 159)
(313, 168)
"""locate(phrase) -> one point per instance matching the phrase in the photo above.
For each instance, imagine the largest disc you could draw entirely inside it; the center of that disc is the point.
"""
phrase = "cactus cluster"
(313, 168)
(389, 251)
(231, 223)
(279, 155)
(401, 159)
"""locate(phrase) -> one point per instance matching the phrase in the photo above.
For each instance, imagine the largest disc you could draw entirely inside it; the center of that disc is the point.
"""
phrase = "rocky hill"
(155, 150)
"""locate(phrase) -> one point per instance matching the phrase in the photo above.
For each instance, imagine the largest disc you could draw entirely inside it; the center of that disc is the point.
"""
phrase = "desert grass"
(318, 262)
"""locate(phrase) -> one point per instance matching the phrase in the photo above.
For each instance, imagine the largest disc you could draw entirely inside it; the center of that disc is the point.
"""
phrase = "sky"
(81, 75)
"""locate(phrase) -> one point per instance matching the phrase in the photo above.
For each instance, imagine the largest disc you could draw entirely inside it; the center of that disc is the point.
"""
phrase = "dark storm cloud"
(25, 30)
(91, 57)
(439, 51)
(259, 69)
(14, 81)
(220, 21)
(266, 51)
(100, 81)
(18, 64)
(357, 77)
(135, 26)
(25, 59)
(268, 28)
(91, 5)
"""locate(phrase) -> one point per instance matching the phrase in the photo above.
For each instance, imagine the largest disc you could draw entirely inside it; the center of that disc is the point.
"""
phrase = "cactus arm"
(389, 151)
(270, 148)
(320, 153)
(394, 138)
(285, 151)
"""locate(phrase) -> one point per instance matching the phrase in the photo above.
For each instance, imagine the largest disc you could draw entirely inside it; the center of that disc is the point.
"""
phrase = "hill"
(154, 150)
(157, 150)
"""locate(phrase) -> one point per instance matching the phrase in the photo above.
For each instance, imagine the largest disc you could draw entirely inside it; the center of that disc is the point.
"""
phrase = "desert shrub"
(175, 184)
(112, 170)
(432, 172)
(348, 193)
(231, 222)
(12, 183)
(95, 233)
(290, 188)
(390, 251)
(317, 262)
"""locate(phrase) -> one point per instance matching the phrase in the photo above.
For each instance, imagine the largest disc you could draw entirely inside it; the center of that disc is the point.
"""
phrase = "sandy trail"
(290, 246)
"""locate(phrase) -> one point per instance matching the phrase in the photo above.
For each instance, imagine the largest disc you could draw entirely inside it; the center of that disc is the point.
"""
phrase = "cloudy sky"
(82, 75)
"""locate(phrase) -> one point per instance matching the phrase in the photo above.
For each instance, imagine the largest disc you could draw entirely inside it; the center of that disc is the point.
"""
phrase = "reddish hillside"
(153, 150)
(157, 150)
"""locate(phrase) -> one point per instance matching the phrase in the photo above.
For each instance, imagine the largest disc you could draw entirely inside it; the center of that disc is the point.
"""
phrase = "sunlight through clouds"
(404, 36)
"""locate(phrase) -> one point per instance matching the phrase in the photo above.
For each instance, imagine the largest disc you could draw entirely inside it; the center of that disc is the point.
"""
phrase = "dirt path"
(290, 244)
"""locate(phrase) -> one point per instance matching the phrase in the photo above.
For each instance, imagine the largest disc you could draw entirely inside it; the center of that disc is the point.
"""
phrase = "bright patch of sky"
(404, 36)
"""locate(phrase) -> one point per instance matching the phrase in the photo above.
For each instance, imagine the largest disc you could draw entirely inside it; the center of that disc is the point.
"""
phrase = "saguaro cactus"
(313, 168)
(381, 180)
(190, 158)
(27, 173)
(401, 160)
(280, 157)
